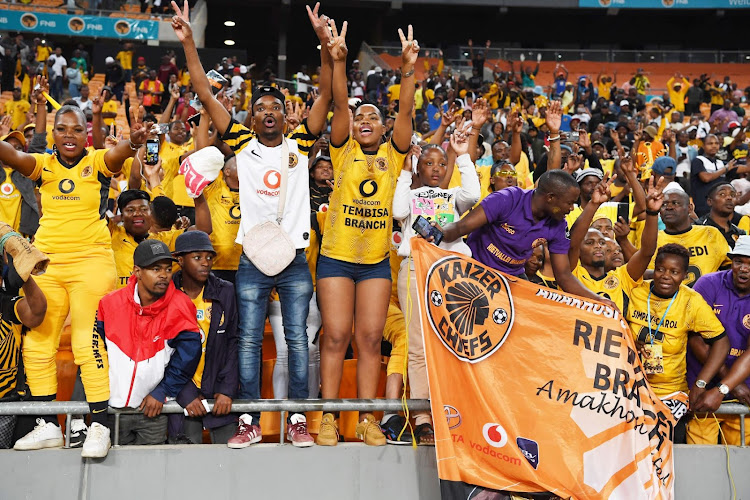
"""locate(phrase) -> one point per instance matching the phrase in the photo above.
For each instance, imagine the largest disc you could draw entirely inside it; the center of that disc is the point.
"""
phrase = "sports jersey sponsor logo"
(272, 179)
(508, 229)
(453, 416)
(323, 207)
(611, 283)
(530, 450)
(746, 321)
(368, 188)
(461, 296)
(396, 239)
(292, 160)
(234, 212)
(495, 435)
(66, 186)
(87, 171)
(7, 188)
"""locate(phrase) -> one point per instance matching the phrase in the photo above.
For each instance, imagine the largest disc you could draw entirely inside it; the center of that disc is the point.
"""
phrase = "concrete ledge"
(273, 471)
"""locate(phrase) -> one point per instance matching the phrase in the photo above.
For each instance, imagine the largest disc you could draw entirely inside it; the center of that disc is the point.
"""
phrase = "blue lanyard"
(648, 304)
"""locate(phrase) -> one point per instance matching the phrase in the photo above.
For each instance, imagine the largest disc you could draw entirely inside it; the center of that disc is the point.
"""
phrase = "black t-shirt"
(373, 81)
(700, 189)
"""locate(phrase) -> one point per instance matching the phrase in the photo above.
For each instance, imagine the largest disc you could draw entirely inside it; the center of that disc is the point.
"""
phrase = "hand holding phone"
(152, 151)
(423, 228)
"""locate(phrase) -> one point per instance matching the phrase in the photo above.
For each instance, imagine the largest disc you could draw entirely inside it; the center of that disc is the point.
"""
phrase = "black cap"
(193, 241)
(317, 159)
(150, 252)
(259, 92)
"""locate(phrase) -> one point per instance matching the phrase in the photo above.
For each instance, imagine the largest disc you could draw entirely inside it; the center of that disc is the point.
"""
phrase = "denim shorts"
(333, 268)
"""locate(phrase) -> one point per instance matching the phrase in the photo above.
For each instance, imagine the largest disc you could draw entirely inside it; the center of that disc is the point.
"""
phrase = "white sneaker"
(45, 435)
(97, 442)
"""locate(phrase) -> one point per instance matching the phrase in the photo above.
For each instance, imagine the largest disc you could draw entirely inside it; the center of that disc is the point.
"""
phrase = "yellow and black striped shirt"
(10, 343)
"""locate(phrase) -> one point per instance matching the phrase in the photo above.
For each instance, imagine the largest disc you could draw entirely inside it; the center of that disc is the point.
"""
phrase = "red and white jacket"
(152, 350)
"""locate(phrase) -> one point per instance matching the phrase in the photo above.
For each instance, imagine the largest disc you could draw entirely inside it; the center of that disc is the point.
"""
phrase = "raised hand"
(622, 229)
(409, 47)
(96, 104)
(174, 92)
(515, 122)
(655, 195)
(554, 117)
(111, 141)
(667, 136)
(337, 43)
(460, 141)
(293, 115)
(5, 124)
(573, 163)
(319, 24)
(449, 116)
(614, 136)
(181, 22)
(628, 165)
(41, 88)
(480, 113)
(584, 140)
(601, 193)
(138, 129)
(153, 173)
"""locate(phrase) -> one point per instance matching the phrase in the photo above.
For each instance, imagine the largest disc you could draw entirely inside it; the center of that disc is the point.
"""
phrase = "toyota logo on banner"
(452, 416)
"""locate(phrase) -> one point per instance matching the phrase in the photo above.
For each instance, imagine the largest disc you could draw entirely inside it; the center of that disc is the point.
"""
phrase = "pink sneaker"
(246, 434)
(296, 431)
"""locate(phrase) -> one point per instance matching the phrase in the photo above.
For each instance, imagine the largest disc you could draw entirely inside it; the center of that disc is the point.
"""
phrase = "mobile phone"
(194, 120)
(575, 136)
(160, 128)
(423, 227)
(152, 151)
(623, 210)
(196, 104)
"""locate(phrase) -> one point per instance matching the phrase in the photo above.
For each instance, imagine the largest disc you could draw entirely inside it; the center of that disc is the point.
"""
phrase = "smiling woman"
(73, 232)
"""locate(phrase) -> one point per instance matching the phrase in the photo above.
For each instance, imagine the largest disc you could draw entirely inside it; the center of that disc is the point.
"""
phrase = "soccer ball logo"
(499, 316)
(436, 298)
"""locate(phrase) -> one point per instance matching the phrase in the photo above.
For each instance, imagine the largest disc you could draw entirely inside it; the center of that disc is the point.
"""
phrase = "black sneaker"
(392, 428)
(78, 433)
(179, 439)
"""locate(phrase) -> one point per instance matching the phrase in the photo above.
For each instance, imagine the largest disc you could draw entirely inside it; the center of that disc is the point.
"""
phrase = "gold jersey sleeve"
(689, 313)
(224, 205)
(359, 222)
(74, 198)
(123, 246)
(237, 136)
(616, 285)
(708, 250)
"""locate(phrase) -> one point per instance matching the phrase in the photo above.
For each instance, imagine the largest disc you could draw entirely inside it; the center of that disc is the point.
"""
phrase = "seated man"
(15, 313)
(217, 376)
(150, 329)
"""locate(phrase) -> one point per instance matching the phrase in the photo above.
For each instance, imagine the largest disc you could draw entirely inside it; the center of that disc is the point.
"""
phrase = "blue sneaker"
(392, 428)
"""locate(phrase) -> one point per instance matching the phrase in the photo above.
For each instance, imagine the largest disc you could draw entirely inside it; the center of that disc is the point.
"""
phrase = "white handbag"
(267, 245)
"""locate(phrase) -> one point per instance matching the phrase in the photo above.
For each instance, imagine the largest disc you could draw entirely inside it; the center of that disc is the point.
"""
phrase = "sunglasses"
(505, 173)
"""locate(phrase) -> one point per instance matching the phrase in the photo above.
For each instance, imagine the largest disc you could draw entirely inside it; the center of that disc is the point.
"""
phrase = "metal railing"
(69, 408)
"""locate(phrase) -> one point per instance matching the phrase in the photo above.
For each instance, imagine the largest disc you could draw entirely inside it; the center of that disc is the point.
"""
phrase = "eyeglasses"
(505, 173)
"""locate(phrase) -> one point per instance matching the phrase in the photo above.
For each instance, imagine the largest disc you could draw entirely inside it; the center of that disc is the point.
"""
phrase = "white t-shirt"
(442, 206)
(236, 82)
(358, 88)
(302, 84)
(85, 106)
(59, 64)
(258, 173)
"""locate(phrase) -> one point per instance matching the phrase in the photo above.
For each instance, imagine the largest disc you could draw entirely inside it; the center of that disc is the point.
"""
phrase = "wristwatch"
(724, 389)
(700, 384)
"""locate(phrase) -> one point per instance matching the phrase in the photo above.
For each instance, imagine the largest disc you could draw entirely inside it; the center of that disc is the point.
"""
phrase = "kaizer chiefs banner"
(542, 391)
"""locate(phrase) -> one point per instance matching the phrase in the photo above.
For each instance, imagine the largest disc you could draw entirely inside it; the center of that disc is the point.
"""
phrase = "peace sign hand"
(601, 193)
(138, 129)
(655, 196)
(319, 24)
(409, 48)
(337, 43)
(181, 22)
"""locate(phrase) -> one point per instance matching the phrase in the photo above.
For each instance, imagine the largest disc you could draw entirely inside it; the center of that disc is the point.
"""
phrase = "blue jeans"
(295, 289)
(56, 89)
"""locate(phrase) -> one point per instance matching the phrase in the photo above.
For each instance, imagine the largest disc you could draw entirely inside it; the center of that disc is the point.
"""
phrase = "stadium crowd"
(586, 187)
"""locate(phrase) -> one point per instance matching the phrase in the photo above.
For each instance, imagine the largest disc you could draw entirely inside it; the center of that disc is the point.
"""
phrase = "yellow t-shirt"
(123, 246)
(203, 315)
(604, 88)
(616, 285)
(184, 78)
(608, 167)
(744, 224)
(42, 53)
(678, 98)
(170, 150)
(708, 250)
(10, 201)
(109, 107)
(689, 313)
(359, 222)
(125, 57)
(74, 201)
(394, 92)
(17, 111)
(224, 204)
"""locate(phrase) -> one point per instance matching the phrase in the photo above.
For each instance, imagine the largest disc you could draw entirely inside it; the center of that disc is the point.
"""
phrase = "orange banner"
(542, 390)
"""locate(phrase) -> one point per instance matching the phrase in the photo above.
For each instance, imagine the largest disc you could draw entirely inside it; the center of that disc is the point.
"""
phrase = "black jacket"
(221, 370)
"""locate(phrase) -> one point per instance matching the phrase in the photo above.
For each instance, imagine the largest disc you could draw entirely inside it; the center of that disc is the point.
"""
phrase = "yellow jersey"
(74, 201)
(689, 313)
(171, 150)
(109, 107)
(394, 92)
(17, 111)
(616, 285)
(744, 224)
(604, 88)
(123, 246)
(10, 201)
(203, 315)
(358, 226)
(707, 246)
(43, 52)
(10, 344)
(224, 204)
(125, 57)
